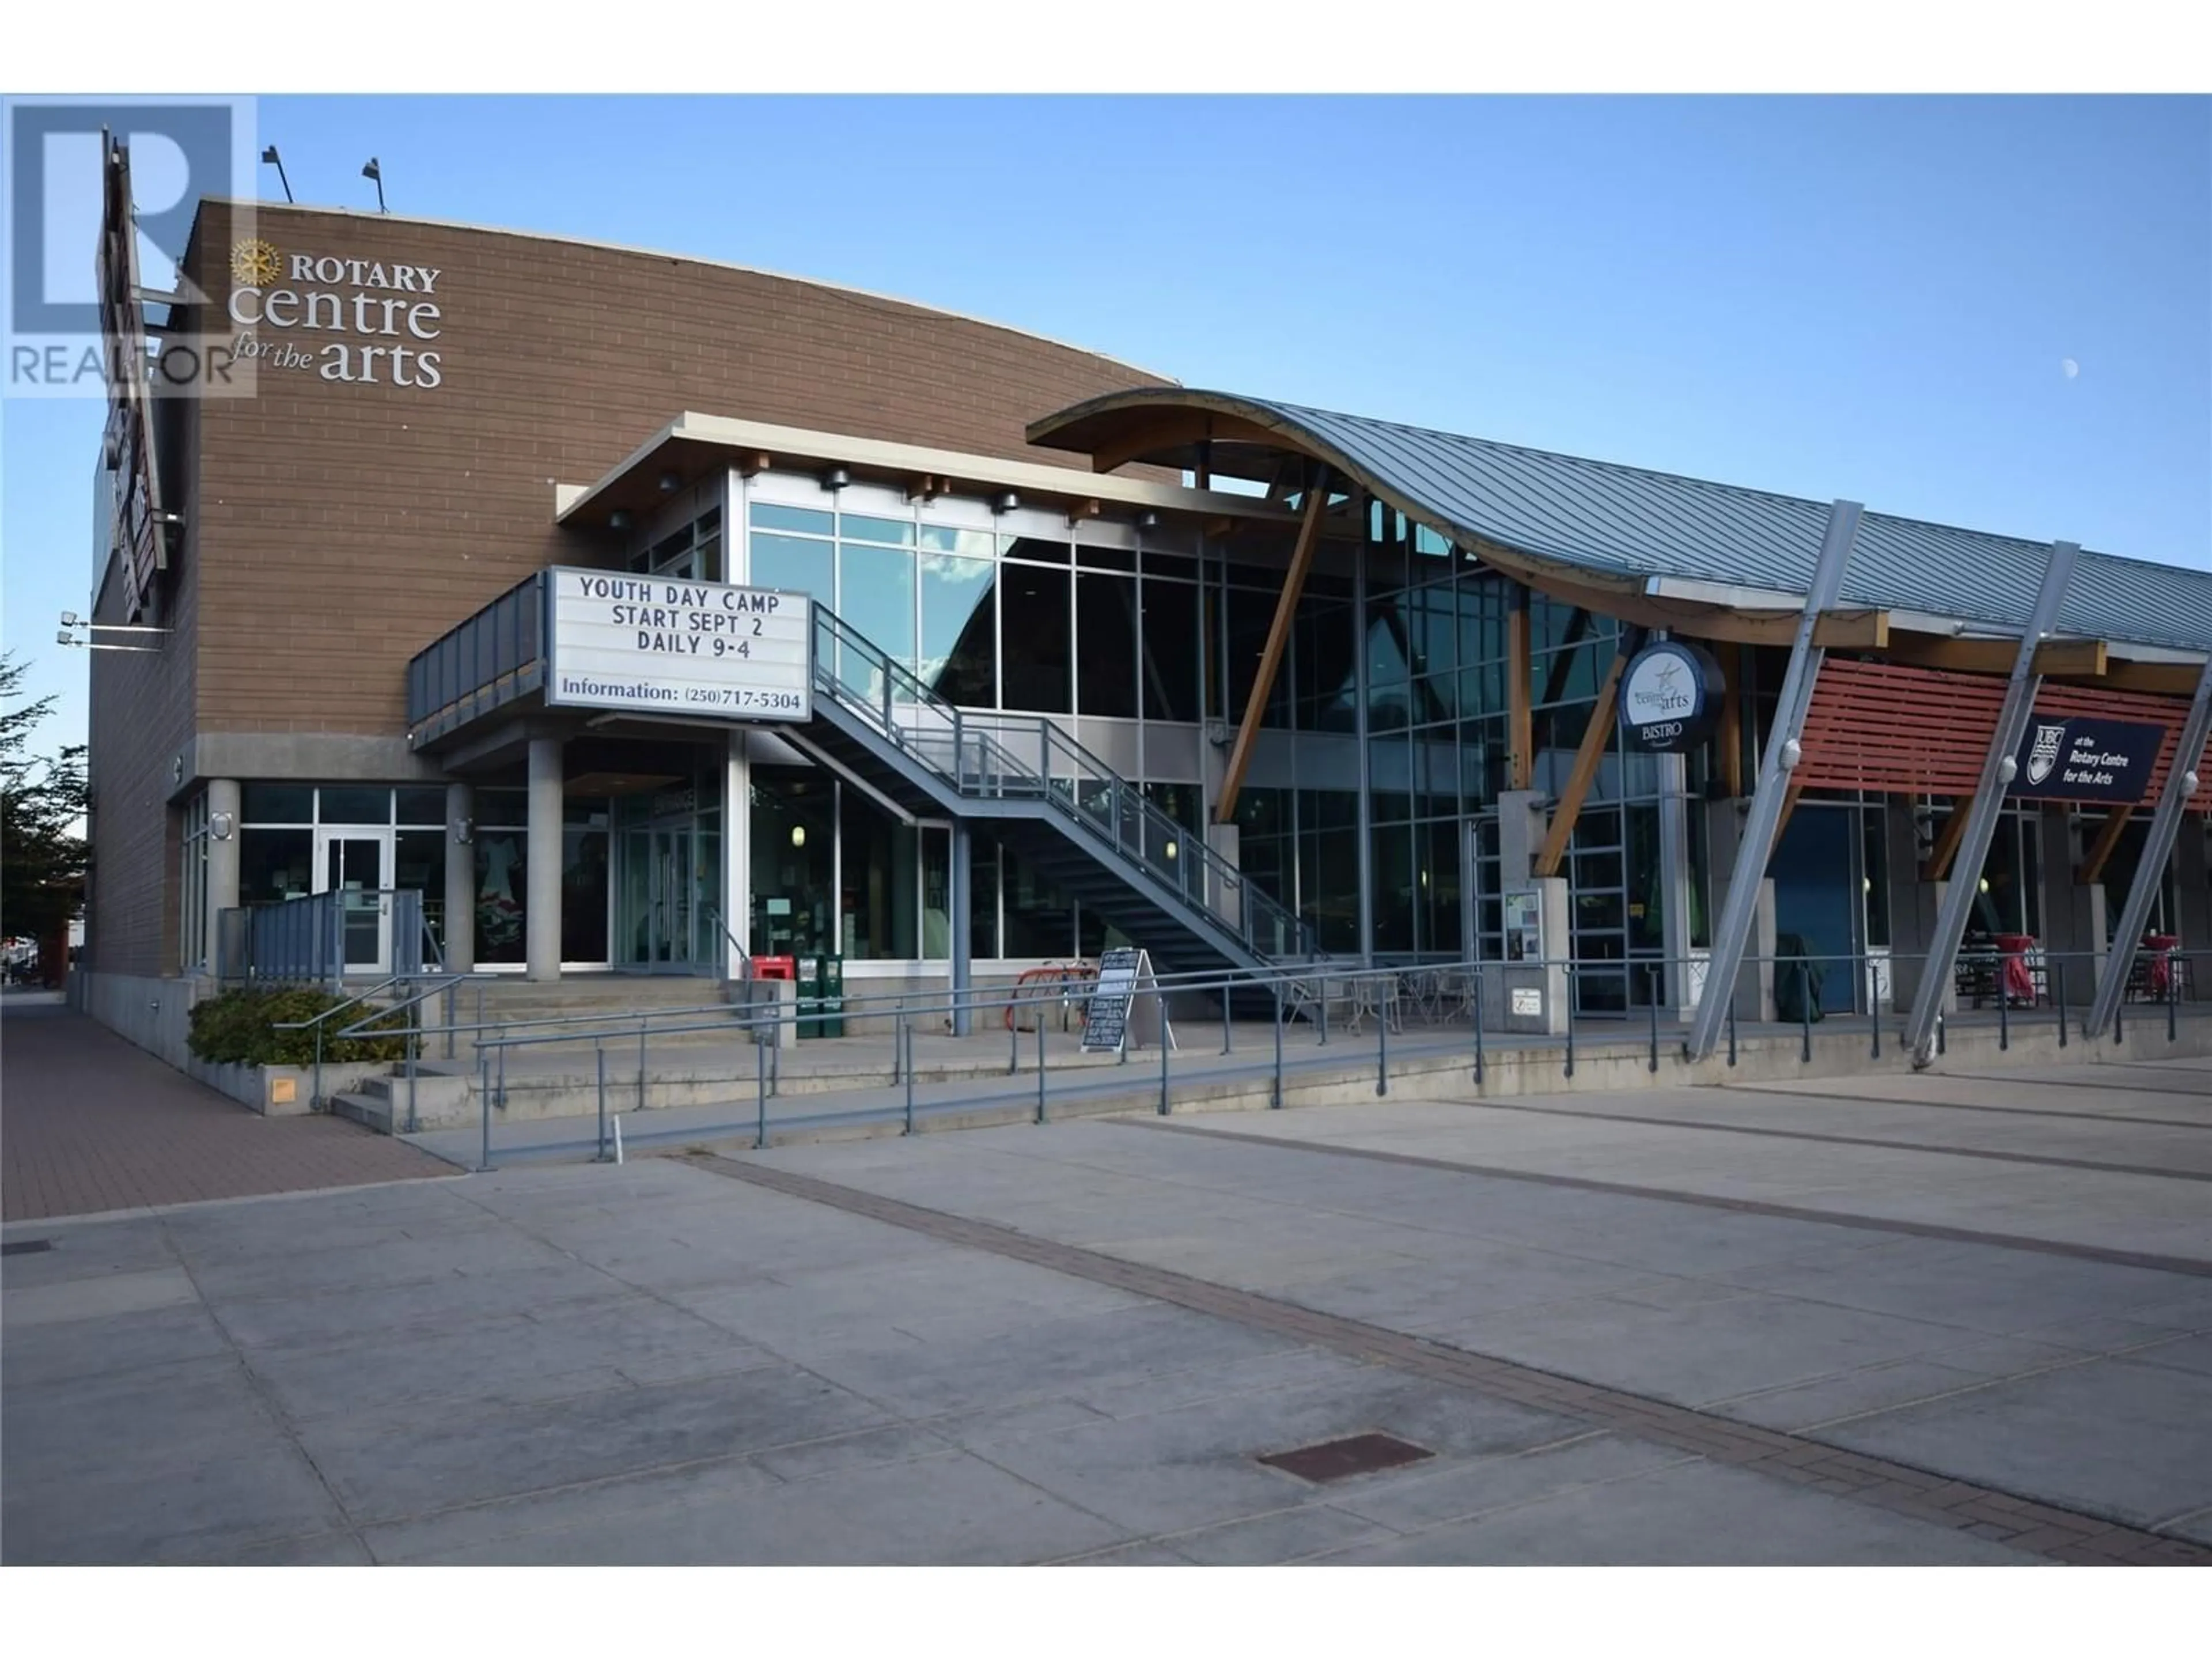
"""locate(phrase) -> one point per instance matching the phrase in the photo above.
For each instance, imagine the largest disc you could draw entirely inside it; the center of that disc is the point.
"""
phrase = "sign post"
(1124, 1005)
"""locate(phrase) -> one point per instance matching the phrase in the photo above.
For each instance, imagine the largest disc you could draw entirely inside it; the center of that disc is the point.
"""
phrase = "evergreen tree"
(42, 800)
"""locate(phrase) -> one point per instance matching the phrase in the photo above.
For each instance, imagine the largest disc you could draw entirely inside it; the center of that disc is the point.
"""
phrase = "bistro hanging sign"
(663, 647)
(1670, 695)
(2081, 757)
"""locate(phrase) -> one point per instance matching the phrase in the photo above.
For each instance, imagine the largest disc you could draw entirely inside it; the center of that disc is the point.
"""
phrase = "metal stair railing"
(1028, 757)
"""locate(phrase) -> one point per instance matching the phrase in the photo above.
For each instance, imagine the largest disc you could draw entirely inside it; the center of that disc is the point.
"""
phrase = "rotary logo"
(2043, 758)
(255, 262)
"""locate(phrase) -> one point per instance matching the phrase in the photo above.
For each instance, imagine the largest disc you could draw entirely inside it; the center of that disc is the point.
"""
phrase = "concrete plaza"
(1959, 1318)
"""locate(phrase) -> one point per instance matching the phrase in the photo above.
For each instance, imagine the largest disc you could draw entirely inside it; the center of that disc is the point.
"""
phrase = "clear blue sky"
(1870, 298)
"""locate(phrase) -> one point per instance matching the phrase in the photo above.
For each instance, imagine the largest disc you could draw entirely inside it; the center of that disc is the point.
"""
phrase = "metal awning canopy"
(1662, 550)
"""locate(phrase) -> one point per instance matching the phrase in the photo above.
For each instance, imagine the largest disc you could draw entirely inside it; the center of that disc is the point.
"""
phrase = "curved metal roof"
(1623, 524)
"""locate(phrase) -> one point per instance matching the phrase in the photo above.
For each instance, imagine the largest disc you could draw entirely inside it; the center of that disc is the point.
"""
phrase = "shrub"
(239, 1028)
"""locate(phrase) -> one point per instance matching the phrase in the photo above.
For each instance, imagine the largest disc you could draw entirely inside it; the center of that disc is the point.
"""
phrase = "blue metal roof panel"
(1625, 521)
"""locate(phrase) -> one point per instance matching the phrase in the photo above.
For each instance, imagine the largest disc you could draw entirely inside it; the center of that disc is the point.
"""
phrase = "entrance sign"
(664, 646)
(2085, 757)
(1670, 695)
(1116, 1014)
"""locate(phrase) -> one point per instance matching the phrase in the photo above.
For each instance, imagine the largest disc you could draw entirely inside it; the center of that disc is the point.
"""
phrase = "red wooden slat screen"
(1891, 729)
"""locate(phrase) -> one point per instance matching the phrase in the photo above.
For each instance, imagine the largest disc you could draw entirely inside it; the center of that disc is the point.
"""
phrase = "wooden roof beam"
(1173, 427)
(1938, 863)
(2070, 659)
(2091, 868)
(1597, 737)
(1271, 658)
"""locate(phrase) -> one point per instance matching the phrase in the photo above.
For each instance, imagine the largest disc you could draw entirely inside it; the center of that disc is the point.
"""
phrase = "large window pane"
(584, 889)
(959, 629)
(352, 805)
(1251, 613)
(793, 831)
(937, 894)
(419, 862)
(1040, 921)
(1106, 648)
(766, 515)
(1172, 653)
(876, 598)
(274, 864)
(879, 905)
(1039, 671)
(982, 897)
(794, 564)
(422, 803)
(852, 527)
(502, 891)
(278, 803)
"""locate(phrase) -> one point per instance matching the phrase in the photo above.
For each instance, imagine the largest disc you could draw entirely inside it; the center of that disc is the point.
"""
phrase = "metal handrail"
(1471, 1009)
(442, 983)
(745, 955)
(340, 1007)
(1124, 801)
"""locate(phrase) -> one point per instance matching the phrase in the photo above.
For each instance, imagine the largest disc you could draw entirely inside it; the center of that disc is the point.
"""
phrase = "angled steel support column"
(1989, 802)
(2158, 847)
(1777, 759)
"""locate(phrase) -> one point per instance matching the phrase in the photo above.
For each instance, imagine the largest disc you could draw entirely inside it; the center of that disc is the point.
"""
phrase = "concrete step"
(431, 1089)
(372, 1112)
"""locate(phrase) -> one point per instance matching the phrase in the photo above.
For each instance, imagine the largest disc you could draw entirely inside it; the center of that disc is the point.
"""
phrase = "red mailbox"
(776, 967)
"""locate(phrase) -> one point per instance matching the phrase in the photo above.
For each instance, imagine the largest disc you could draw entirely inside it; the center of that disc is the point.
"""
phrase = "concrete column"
(1226, 841)
(1911, 902)
(736, 905)
(960, 901)
(541, 916)
(1521, 827)
(1674, 876)
(1537, 999)
(460, 930)
(223, 796)
(2073, 915)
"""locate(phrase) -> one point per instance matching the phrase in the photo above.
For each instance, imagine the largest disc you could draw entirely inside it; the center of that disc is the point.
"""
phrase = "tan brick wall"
(140, 720)
(337, 529)
(348, 525)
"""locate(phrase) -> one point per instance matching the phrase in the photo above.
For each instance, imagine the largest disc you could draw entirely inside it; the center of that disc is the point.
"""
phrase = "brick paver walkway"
(90, 1123)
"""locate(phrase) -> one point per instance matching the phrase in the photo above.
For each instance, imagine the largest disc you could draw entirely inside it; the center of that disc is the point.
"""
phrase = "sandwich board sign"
(1126, 1006)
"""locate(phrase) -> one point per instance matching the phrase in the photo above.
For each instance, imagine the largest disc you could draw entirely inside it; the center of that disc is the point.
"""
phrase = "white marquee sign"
(657, 646)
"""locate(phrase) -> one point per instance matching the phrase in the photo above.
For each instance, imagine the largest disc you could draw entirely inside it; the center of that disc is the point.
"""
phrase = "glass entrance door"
(358, 868)
(669, 879)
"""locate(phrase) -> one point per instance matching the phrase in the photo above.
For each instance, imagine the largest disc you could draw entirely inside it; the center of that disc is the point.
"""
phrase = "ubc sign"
(652, 645)
(2082, 757)
(1670, 693)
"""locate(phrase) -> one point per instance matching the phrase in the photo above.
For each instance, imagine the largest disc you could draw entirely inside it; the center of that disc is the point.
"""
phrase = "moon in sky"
(2068, 368)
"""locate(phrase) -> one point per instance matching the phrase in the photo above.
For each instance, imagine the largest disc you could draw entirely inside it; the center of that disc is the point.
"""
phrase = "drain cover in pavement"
(1358, 1454)
(26, 1246)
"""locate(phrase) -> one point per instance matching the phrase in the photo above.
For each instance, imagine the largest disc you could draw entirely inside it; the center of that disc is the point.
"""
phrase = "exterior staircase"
(1065, 812)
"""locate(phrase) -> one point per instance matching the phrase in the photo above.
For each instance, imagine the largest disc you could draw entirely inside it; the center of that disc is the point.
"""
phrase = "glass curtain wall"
(1097, 623)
